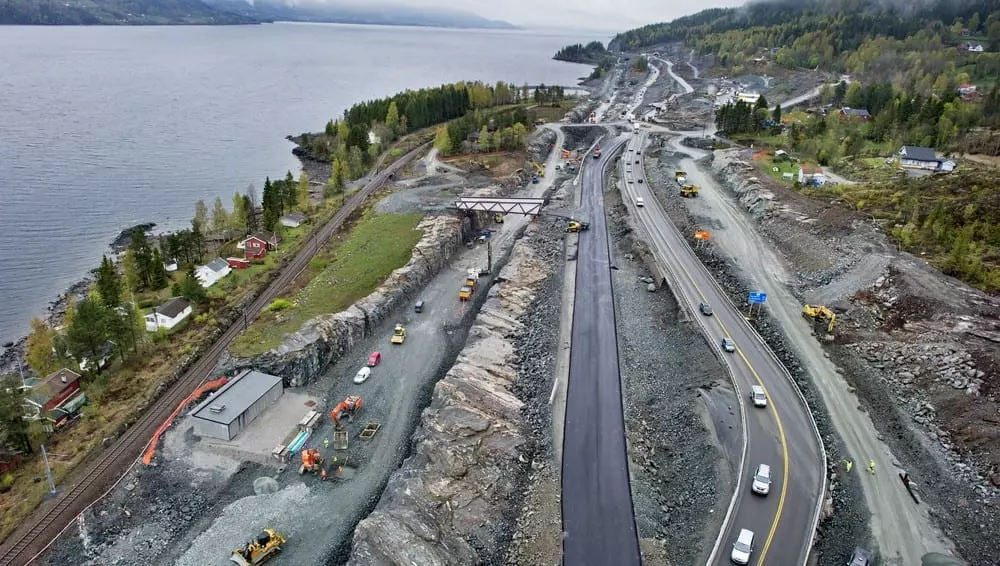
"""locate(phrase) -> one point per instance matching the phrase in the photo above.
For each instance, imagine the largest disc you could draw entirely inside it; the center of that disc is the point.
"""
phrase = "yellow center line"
(777, 419)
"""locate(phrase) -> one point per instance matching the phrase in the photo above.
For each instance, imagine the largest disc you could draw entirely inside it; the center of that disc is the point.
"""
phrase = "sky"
(612, 15)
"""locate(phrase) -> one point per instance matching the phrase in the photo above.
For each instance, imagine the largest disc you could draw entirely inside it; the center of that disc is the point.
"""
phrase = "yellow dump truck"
(690, 191)
(398, 335)
(259, 550)
(469, 287)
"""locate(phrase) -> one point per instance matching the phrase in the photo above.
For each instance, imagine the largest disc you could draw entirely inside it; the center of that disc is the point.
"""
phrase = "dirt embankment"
(455, 499)
(303, 355)
(919, 348)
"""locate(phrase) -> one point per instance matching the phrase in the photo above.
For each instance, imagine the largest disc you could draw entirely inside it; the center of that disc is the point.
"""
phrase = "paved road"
(598, 519)
(782, 435)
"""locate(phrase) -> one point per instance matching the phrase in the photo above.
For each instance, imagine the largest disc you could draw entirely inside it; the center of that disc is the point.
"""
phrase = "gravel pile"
(845, 519)
(680, 475)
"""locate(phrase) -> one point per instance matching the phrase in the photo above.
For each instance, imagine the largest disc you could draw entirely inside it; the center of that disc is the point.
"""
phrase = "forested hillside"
(115, 12)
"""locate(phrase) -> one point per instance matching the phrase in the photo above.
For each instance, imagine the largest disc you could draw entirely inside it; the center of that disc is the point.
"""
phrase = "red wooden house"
(257, 245)
(55, 398)
(238, 262)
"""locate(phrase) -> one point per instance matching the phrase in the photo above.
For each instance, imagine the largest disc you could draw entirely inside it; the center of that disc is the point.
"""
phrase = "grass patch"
(377, 245)
(551, 113)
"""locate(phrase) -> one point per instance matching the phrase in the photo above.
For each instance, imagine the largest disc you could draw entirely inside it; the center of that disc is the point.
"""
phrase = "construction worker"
(906, 479)
(848, 465)
(871, 466)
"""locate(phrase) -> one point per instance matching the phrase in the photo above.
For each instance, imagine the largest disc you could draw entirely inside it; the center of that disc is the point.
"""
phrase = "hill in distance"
(116, 12)
(357, 13)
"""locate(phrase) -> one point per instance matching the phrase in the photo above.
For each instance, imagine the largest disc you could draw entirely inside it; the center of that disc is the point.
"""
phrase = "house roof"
(298, 217)
(236, 397)
(217, 265)
(811, 170)
(856, 112)
(173, 307)
(918, 153)
(45, 389)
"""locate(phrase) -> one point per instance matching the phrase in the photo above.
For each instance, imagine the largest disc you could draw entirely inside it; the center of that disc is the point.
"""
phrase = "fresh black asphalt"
(598, 520)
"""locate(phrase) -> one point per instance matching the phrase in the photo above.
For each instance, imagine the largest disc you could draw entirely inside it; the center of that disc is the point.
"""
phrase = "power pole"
(48, 472)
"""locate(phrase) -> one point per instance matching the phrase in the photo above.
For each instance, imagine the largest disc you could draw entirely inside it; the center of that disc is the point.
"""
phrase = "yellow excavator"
(577, 226)
(260, 549)
(819, 312)
(690, 191)
(539, 168)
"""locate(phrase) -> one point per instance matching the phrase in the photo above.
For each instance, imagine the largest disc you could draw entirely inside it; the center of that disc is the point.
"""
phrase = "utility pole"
(48, 472)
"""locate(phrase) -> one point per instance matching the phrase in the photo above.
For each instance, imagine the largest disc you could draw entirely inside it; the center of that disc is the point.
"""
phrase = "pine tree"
(238, 219)
(109, 284)
(392, 118)
(158, 273)
(89, 330)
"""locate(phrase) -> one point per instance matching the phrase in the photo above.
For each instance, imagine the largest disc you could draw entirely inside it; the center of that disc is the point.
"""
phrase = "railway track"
(107, 467)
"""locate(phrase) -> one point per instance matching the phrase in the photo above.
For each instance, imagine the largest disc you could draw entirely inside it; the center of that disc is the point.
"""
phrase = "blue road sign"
(757, 298)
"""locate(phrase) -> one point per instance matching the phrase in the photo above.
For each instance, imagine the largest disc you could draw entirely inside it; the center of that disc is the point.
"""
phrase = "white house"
(974, 47)
(293, 220)
(923, 158)
(809, 175)
(750, 98)
(209, 274)
(168, 315)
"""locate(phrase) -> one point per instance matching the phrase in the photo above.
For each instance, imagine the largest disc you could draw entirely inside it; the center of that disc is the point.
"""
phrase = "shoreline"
(55, 309)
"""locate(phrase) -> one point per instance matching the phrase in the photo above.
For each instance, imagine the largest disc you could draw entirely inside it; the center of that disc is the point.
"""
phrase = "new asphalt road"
(782, 435)
(598, 521)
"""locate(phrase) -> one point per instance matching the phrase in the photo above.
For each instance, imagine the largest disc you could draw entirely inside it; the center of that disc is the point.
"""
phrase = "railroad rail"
(105, 468)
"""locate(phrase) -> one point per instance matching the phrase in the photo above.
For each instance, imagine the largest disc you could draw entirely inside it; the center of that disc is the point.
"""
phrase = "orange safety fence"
(147, 457)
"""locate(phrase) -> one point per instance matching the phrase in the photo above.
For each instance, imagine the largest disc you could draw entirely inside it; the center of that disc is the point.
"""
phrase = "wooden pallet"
(340, 440)
(369, 431)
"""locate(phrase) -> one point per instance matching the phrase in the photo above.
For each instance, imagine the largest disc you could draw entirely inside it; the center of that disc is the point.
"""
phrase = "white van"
(639, 202)
(758, 396)
(762, 480)
(743, 547)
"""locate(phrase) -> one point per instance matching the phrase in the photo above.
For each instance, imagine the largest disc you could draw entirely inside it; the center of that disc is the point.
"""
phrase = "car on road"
(728, 345)
(640, 181)
(637, 161)
(758, 396)
(363, 375)
(705, 308)
(762, 480)
(639, 202)
(743, 547)
(374, 358)
(860, 557)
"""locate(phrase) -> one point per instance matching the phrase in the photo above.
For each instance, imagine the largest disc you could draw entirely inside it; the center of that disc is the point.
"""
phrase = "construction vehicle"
(346, 408)
(312, 461)
(260, 549)
(534, 179)
(398, 335)
(577, 226)
(680, 177)
(498, 218)
(689, 191)
(597, 153)
(593, 117)
(539, 168)
(819, 312)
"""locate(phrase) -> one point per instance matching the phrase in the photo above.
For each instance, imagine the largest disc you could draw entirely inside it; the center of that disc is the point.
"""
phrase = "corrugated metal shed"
(228, 412)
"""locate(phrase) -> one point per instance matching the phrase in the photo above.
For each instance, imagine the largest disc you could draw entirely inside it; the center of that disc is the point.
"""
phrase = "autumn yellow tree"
(39, 349)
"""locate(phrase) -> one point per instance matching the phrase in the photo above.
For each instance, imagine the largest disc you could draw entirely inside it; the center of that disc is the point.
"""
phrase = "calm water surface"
(106, 127)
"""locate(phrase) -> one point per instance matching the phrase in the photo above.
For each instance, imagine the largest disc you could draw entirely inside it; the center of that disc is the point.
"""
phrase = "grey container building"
(227, 413)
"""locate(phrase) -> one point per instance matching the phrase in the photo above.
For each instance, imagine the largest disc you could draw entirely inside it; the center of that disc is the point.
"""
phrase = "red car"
(374, 358)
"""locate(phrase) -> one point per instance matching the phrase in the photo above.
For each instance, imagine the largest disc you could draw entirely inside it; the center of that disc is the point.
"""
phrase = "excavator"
(346, 408)
(577, 226)
(689, 191)
(398, 335)
(819, 312)
(260, 549)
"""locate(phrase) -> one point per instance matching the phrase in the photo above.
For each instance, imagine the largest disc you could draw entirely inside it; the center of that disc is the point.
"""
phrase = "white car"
(743, 547)
(639, 202)
(363, 375)
(762, 480)
(758, 395)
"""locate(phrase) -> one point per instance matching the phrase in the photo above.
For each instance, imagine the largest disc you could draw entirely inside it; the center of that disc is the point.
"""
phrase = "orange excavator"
(346, 408)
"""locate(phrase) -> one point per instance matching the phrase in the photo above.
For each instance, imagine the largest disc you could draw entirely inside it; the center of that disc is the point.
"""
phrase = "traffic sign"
(757, 298)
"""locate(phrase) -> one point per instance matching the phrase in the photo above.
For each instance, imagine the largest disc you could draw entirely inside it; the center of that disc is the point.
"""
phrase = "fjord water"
(102, 128)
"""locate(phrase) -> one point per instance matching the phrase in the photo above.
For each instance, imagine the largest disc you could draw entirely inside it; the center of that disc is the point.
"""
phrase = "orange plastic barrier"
(147, 457)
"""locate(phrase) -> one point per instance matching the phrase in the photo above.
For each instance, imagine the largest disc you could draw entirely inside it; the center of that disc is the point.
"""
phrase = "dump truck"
(469, 287)
(689, 191)
(260, 549)
(680, 177)
(398, 335)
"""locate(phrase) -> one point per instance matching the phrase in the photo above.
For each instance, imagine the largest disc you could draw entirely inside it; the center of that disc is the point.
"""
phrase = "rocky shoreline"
(55, 310)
